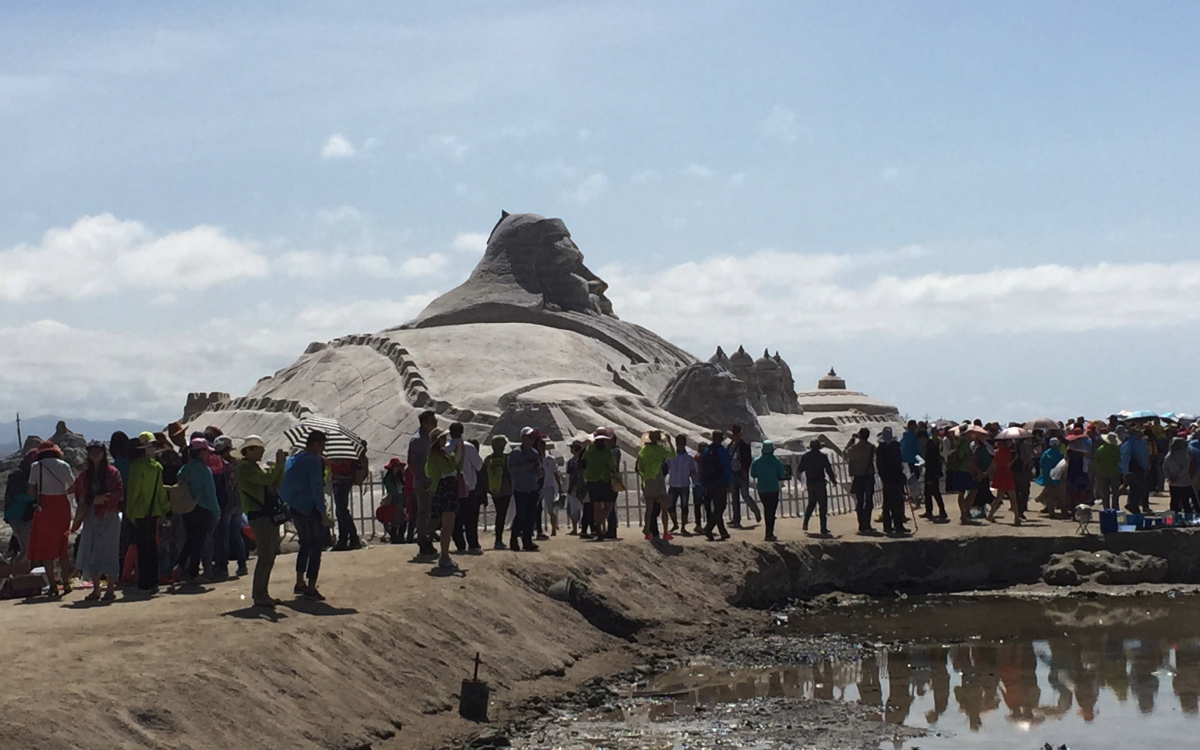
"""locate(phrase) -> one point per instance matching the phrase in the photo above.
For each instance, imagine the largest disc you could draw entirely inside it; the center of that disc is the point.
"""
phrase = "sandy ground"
(380, 664)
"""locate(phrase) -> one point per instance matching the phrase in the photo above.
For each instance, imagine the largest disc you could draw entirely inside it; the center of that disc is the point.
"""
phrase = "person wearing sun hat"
(145, 506)
(228, 541)
(1106, 469)
(253, 484)
(199, 522)
(525, 467)
(599, 469)
(98, 493)
(50, 481)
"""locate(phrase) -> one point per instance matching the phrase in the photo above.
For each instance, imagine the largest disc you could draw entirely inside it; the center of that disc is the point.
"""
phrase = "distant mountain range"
(92, 429)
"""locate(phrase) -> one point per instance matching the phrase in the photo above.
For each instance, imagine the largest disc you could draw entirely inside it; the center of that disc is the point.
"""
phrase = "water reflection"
(1024, 682)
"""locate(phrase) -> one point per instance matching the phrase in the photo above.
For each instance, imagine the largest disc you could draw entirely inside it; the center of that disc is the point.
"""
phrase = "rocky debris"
(73, 445)
(1104, 567)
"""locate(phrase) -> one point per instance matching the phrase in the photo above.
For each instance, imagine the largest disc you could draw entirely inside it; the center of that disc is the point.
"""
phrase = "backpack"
(180, 497)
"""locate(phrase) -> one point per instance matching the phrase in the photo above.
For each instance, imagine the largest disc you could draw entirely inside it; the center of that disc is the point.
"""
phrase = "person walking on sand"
(499, 485)
(50, 481)
(860, 460)
(768, 471)
(146, 505)
(681, 471)
(931, 451)
(1053, 490)
(815, 466)
(418, 455)
(651, 459)
(718, 478)
(600, 468)
(525, 468)
(551, 485)
(958, 473)
(303, 490)
(444, 471)
(259, 493)
(739, 467)
(890, 466)
(199, 522)
(98, 493)
(1003, 482)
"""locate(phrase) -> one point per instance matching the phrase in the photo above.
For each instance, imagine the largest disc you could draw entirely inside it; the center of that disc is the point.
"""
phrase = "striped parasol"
(340, 443)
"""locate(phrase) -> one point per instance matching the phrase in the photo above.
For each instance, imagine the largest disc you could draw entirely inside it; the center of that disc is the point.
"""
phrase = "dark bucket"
(473, 703)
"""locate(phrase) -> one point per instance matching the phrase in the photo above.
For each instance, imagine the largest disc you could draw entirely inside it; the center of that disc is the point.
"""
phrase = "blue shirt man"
(1135, 451)
(304, 484)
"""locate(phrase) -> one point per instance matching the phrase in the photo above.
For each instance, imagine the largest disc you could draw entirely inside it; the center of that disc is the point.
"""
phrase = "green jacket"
(439, 466)
(1108, 459)
(959, 458)
(253, 481)
(650, 460)
(145, 495)
(600, 464)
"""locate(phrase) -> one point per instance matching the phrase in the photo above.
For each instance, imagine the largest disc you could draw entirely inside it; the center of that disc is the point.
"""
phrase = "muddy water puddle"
(931, 673)
(1002, 673)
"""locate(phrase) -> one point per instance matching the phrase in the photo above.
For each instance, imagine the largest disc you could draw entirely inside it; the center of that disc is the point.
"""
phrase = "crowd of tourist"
(174, 509)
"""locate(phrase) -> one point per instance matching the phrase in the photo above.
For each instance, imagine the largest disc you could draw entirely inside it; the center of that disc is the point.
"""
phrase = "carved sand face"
(565, 280)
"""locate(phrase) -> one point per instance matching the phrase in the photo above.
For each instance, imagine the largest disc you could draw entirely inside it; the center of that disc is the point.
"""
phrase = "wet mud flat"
(1084, 669)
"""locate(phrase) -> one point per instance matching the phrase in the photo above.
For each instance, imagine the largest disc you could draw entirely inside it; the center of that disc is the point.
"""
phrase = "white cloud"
(698, 170)
(100, 255)
(890, 173)
(780, 125)
(139, 375)
(472, 243)
(592, 187)
(817, 297)
(646, 175)
(338, 147)
(423, 265)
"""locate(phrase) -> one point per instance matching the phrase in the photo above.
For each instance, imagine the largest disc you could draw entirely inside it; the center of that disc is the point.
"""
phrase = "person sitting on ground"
(303, 490)
(499, 485)
(50, 481)
(443, 470)
(599, 470)
(258, 490)
(651, 460)
(392, 509)
(682, 469)
(890, 466)
(815, 466)
(718, 478)
(525, 468)
(98, 494)
(768, 471)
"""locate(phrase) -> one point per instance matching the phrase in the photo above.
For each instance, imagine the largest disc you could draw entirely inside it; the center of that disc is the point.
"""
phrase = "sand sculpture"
(528, 339)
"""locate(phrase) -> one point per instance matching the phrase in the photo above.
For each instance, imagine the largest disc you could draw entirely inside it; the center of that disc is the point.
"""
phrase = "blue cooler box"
(1108, 521)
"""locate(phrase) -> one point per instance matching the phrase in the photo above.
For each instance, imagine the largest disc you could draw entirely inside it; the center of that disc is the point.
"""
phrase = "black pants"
(718, 496)
(145, 536)
(527, 508)
(196, 525)
(700, 502)
(501, 502)
(893, 505)
(770, 503)
(587, 522)
(864, 500)
(312, 540)
(1139, 492)
(466, 522)
(347, 531)
(1183, 499)
(1021, 478)
(933, 491)
(818, 500)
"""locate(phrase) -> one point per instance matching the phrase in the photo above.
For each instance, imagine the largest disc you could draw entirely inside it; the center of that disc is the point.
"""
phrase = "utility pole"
(20, 440)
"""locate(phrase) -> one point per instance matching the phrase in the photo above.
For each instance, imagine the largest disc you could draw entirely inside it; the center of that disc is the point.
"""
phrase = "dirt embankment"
(380, 665)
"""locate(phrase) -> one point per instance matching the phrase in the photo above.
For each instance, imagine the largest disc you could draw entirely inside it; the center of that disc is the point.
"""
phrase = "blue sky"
(969, 209)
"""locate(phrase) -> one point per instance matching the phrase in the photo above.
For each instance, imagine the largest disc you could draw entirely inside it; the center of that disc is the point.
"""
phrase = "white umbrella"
(1014, 433)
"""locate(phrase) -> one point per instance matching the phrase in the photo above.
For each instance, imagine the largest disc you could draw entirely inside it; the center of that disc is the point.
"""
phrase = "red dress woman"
(50, 479)
(1003, 482)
